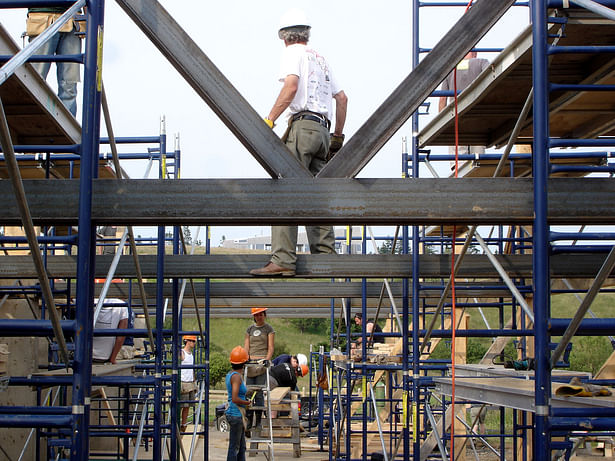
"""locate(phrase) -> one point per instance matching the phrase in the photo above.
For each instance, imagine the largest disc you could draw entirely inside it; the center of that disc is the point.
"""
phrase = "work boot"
(271, 270)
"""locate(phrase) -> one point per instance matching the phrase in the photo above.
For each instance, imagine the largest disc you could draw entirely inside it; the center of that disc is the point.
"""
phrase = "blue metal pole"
(158, 394)
(176, 341)
(366, 400)
(416, 449)
(540, 255)
(349, 370)
(207, 330)
(82, 363)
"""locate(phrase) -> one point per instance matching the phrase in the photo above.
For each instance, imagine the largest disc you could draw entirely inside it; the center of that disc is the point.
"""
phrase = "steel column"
(82, 365)
(540, 255)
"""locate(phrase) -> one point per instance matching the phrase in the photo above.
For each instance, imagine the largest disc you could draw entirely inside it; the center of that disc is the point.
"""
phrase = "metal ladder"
(257, 431)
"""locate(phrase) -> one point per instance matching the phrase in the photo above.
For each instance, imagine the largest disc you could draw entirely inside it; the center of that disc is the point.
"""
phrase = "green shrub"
(281, 348)
(475, 350)
(589, 353)
(316, 326)
(219, 366)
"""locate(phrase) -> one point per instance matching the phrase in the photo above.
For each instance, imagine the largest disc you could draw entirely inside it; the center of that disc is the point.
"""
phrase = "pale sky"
(368, 45)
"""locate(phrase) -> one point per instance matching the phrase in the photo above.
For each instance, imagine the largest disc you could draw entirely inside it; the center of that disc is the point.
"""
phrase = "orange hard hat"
(258, 310)
(190, 338)
(304, 370)
(238, 355)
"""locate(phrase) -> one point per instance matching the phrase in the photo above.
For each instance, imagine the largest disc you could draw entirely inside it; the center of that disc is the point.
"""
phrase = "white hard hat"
(294, 18)
(302, 359)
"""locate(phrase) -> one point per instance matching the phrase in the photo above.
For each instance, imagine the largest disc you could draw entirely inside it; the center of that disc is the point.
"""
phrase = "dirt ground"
(218, 444)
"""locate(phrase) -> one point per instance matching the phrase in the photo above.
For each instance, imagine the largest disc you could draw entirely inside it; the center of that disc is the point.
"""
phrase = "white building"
(263, 242)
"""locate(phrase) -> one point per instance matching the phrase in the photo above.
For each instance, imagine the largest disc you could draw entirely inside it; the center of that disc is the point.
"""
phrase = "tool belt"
(313, 116)
(188, 386)
(36, 23)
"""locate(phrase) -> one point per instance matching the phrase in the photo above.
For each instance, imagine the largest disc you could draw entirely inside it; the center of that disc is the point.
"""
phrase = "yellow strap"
(364, 389)
(414, 419)
(99, 59)
(404, 405)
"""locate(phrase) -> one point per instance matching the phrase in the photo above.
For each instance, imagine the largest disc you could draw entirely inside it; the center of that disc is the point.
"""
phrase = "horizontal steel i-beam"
(309, 266)
(315, 201)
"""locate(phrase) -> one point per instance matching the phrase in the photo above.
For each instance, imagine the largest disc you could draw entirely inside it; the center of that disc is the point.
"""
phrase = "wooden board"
(34, 113)
(278, 394)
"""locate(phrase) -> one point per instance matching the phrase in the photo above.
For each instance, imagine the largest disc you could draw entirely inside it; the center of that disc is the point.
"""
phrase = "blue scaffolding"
(68, 420)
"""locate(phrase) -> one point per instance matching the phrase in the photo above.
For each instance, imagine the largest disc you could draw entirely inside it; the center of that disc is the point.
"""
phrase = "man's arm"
(441, 103)
(341, 106)
(119, 340)
(287, 93)
(443, 99)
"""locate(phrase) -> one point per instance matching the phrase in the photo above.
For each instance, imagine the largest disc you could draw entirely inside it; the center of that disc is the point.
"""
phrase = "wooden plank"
(278, 394)
(34, 113)
(489, 107)
(607, 371)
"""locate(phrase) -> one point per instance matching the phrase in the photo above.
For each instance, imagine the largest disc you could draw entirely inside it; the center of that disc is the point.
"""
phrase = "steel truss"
(425, 313)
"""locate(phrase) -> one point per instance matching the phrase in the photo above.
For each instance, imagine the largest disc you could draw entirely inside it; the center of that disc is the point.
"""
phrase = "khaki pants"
(309, 142)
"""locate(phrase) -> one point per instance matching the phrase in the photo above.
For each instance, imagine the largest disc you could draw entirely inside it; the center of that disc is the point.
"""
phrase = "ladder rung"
(260, 450)
(260, 441)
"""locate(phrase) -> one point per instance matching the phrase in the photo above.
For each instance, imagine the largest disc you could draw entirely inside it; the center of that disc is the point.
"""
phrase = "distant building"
(263, 242)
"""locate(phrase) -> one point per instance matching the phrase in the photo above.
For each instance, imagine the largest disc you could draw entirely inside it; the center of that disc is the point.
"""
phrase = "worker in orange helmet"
(237, 404)
(188, 383)
(259, 342)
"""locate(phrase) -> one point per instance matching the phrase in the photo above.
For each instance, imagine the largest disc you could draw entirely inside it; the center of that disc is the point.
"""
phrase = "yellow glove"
(336, 144)
(269, 123)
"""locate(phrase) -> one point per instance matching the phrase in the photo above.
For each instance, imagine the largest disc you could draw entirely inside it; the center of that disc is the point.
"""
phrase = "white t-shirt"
(187, 374)
(108, 319)
(317, 86)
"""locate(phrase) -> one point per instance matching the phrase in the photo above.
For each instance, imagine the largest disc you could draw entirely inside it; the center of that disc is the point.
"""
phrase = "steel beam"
(332, 201)
(288, 289)
(407, 97)
(214, 88)
(515, 393)
(310, 266)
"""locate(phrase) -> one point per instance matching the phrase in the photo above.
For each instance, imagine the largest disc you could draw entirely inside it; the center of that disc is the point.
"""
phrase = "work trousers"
(309, 142)
(236, 439)
(67, 72)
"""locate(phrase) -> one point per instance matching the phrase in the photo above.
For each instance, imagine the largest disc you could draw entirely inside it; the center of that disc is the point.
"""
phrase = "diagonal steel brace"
(214, 88)
(26, 219)
(417, 87)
